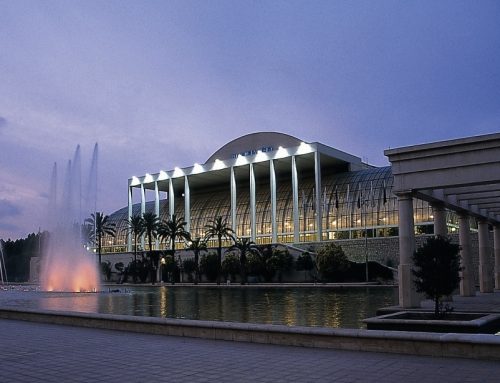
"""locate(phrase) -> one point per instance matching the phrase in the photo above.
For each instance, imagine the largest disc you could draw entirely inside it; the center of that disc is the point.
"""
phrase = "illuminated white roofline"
(303, 148)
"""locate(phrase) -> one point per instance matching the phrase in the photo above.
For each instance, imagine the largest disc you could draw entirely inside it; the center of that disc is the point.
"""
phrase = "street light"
(162, 262)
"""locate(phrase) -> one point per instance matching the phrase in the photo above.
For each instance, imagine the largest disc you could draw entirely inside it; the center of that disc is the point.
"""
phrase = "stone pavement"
(36, 352)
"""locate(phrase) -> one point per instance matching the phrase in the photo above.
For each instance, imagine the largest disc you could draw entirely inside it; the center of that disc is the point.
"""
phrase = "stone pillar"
(272, 187)
(485, 272)
(233, 200)
(295, 198)
(408, 296)
(467, 285)
(496, 246)
(440, 227)
(130, 205)
(253, 215)
(318, 207)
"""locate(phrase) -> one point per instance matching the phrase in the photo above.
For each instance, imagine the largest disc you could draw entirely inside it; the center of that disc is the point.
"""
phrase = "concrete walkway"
(36, 352)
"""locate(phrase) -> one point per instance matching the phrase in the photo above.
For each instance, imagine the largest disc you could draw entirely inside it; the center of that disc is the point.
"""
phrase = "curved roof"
(253, 142)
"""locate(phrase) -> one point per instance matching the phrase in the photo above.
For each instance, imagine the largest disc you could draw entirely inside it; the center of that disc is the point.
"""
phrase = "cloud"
(8, 227)
(8, 209)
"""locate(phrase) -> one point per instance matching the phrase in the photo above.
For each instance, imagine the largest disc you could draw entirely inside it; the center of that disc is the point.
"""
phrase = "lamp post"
(162, 265)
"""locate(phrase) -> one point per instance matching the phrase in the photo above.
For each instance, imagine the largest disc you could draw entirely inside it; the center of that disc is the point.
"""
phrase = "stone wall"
(386, 250)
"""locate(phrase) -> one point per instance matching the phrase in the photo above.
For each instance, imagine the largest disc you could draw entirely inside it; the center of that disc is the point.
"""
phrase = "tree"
(280, 261)
(219, 229)
(244, 246)
(209, 266)
(437, 267)
(304, 262)
(151, 224)
(230, 266)
(197, 246)
(331, 262)
(102, 226)
(189, 267)
(172, 229)
(135, 227)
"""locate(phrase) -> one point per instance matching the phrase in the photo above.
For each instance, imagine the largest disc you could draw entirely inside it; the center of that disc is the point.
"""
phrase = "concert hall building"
(274, 188)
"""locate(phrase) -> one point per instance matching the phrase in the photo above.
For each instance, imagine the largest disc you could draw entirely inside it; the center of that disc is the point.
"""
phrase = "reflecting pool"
(293, 306)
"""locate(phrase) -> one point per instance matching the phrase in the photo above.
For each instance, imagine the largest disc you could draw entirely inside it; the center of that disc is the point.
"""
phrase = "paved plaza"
(36, 352)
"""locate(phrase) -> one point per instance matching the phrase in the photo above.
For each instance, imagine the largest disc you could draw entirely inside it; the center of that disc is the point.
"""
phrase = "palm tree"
(197, 245)
(220, 229)
(151, 224)
(244, 246)
(172, 229)
(101, 226)
(135, 227)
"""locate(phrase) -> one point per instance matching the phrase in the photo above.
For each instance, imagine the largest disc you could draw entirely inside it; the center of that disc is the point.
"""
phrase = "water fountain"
(66, 264)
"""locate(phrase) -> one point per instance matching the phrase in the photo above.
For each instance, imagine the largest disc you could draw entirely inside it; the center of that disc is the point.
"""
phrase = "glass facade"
(353, 204)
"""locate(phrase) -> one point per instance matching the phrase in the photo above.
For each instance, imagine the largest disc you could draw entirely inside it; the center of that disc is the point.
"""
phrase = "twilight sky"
(164, 83)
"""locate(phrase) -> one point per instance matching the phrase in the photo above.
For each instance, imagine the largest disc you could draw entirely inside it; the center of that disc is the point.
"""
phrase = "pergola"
(462, 175)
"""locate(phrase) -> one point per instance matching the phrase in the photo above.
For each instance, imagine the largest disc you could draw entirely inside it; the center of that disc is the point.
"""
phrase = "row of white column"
(487, 281)
(233, 197)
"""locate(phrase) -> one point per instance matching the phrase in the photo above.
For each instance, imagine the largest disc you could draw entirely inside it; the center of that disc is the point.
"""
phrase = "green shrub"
(230, 266)
(332, 262)
(189, 267)
(209, 266)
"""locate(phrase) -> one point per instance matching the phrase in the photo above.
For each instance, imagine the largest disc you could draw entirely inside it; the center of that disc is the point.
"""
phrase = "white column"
(171, 199)
(485, 275)
(467, 285)
(319, 209)
(272, 189)
(295, 197)
(233, 200)
(130, 205)
(408, 296)
(496, 246)
(187, 204)
(253, 224)
(439, 220)
(157, 211)
(143, 208)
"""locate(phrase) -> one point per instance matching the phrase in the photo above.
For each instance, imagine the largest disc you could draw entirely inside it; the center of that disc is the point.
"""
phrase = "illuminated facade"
(272, 187)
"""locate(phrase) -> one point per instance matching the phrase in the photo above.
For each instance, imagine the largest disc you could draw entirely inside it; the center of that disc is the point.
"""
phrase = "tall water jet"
(67, 265)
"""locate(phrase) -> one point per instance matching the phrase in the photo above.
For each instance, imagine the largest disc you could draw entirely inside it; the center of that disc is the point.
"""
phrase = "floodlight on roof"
(163, 175)
(178, 172)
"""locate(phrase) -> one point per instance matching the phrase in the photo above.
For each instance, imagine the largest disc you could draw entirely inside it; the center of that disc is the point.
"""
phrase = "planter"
(457, 322)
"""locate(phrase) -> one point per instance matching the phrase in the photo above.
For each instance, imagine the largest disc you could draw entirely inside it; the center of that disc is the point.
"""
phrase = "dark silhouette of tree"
(244, 246)
(219, 229)
(151, 225)
(197, 245)
(172, 229)
(135, 227)
(304, 262)
(332, 262)
(437, 267)
(102, 226)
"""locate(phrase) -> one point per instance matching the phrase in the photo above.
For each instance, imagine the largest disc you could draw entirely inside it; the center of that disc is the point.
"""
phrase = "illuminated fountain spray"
(66, 263)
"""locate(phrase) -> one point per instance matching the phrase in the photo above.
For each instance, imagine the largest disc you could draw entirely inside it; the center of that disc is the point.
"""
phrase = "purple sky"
(161, 84)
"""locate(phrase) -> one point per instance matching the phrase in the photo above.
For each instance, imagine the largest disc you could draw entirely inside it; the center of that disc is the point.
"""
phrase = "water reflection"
(323, 307)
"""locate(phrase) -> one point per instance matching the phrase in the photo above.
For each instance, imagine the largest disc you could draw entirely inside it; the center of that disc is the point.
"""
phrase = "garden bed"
(457, 322)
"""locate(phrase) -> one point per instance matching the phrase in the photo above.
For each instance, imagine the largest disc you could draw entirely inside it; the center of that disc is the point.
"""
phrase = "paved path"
(35, 352)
